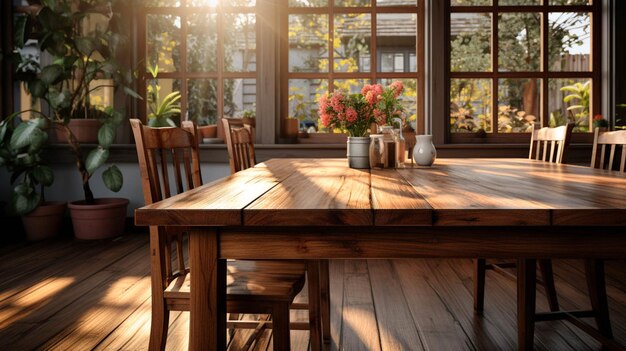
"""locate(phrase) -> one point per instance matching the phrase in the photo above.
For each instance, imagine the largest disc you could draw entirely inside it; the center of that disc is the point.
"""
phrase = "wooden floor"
(68, 295)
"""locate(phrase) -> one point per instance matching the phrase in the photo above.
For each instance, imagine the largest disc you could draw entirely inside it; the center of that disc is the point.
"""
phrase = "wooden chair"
(602, 139)
(594, 271)
(263, 287)
(556, 140)
(240, 145)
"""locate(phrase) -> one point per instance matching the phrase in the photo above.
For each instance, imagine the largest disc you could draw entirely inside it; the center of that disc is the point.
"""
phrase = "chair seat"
(251, 280)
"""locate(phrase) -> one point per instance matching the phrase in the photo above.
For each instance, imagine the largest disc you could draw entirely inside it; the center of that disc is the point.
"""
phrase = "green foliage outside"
(519, 39)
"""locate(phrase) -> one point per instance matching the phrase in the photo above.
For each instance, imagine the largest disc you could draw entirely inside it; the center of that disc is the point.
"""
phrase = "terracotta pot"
(209, 131)
(250, 121)
(105, 219)
(44, 222)
(85, 131)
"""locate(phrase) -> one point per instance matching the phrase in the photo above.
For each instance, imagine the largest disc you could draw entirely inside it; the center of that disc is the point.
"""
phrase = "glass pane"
(519, 42)
(308, 3)
(239, 96)
(570, 41)
(202, 101)
(163, 42)
(408, 98)
(240, 42)
(471, 2)
(351, 41)
(308, 43)
(570, 102)
(101, 93)
(214, 3)
(519, 2)
(157, 90)
(396, 41)
(470, 42)
(396, 2)
(519, 105)
(570, 2)
(202, 43)
(353, 3)
(620, 69)
(470, 105)
(303, 97)
(160, 3)
(352, 86)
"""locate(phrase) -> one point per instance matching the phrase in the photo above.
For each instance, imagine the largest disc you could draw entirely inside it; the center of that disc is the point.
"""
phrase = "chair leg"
(594, 270)
(315, 321)
(158, 325)
(479, 285)
(281, 332)
(526, 294)
(325, 300)
(548, 283)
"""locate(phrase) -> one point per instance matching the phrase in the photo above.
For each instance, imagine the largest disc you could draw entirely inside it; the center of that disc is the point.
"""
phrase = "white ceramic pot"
(359, 152)
(424, 153)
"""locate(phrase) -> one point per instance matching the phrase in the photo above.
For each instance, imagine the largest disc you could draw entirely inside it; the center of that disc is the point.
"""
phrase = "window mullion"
(495, 21)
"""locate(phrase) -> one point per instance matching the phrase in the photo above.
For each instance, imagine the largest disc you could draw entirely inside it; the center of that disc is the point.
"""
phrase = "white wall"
(67, 184)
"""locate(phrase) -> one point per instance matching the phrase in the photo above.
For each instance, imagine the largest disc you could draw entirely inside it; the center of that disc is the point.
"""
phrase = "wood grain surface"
(454, 192)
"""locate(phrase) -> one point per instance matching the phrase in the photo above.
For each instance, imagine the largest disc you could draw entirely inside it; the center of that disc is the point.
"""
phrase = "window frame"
(595, 73)
(183, 74)
(373, 10)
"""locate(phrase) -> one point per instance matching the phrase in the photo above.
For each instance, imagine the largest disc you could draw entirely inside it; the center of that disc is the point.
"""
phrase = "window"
(206, 50)
(513, 63)
(344, 44)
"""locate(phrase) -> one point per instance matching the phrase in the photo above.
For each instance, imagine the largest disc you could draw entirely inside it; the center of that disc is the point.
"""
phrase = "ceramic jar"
(424, 153)
(359, 152)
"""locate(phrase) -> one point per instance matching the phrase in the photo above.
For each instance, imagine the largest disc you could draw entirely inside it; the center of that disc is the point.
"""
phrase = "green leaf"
(85, 45)
(106, 134)
(569, 98)
(24, 204)
(20, 30)
(51, 74)
(3, 130)
(113, 178)
(95, 159)
(25, 134)
(37, 88)
(44, 175)
(132, 93)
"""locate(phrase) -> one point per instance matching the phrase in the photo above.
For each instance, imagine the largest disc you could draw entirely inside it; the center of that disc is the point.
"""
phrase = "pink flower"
(370, 98)
(398, 87)
(351, 115)
(336, 101)
(325, 118)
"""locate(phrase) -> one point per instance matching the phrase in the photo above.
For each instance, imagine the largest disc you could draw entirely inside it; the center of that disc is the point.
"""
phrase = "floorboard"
(69, 295)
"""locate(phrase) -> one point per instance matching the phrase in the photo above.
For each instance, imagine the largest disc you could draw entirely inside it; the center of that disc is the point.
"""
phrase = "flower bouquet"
(355, 113)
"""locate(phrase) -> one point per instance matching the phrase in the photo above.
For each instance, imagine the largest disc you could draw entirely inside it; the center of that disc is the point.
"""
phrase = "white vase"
(359, 152)
(424, 153)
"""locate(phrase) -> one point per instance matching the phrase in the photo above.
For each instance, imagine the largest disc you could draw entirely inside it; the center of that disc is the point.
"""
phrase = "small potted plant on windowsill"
(82, 59)
(601, 123)
(249, 117)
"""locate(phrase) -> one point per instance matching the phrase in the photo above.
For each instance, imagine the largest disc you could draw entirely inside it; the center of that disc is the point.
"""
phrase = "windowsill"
(216, 153)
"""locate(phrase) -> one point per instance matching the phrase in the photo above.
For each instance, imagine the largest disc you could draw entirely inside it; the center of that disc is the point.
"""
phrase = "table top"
(454, 192)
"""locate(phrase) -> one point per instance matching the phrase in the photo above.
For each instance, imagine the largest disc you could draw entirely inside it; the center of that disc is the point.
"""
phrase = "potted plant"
(21, 156)
(249, 117)
(163, 112)
(82, 60)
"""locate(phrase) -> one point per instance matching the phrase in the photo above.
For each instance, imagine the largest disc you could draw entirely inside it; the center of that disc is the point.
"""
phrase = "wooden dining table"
(458, 208)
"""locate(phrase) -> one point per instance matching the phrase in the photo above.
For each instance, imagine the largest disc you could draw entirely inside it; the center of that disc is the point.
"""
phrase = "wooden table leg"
(594, 270)
(315, 320)
(526, 283)
(325, 300)
(208, 292)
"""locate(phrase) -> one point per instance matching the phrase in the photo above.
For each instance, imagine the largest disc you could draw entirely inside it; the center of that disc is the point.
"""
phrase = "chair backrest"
(617, 138)
(157, 148)
(556, 139)
(240, 144)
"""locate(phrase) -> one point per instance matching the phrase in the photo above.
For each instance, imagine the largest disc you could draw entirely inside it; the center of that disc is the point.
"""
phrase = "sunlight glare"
(209, 3)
